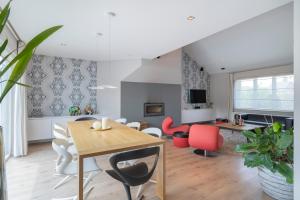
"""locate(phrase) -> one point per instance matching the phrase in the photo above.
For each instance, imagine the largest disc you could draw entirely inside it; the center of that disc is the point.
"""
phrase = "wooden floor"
(189, 177)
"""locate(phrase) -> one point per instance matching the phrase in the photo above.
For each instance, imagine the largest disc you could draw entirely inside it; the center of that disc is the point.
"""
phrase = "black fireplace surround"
(154, 109)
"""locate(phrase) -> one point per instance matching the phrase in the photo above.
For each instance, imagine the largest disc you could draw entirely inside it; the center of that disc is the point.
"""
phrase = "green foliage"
(20, 61)
(272, 148)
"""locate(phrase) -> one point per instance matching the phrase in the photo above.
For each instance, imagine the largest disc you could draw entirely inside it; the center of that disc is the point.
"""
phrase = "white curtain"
(13, 120)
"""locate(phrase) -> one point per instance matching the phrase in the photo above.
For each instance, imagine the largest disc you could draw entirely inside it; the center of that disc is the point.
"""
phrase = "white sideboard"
(40, 129)
(197, 115)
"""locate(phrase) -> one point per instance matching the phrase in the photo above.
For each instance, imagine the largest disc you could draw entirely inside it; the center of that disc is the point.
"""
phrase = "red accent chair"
(205, 137)
(169, 130)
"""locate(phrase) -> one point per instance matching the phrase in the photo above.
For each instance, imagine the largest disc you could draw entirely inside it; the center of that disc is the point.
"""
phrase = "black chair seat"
(134, 175)
(135, 172)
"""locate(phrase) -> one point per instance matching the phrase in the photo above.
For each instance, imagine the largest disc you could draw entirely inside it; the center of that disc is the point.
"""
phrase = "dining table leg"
(80, 178)
(161, 176)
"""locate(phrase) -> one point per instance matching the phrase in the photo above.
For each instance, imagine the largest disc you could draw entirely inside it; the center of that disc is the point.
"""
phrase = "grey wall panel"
(134, 95)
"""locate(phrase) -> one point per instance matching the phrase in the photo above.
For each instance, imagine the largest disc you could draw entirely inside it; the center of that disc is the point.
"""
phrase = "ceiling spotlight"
(112, 14)
(223, 68)
(99, 34)
(190, 18)
(63, 44)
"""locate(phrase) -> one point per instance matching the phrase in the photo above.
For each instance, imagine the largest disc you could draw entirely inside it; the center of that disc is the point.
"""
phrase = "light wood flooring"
(189, 177)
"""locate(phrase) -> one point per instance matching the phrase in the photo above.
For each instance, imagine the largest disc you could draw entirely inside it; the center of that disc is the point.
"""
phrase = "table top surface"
(245, 127)
(90, 142)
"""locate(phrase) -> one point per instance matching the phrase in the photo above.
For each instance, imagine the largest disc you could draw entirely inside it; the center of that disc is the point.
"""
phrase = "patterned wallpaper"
(193, 78)
(58, 83)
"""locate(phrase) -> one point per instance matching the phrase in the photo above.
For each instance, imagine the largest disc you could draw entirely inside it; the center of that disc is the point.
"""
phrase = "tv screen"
(197, 96)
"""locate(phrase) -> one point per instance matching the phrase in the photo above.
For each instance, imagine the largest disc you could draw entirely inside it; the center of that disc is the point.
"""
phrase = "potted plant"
(16, 66)
(271, 151)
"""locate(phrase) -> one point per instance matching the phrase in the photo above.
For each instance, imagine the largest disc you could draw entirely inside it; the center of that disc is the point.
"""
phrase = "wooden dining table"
(90, 143)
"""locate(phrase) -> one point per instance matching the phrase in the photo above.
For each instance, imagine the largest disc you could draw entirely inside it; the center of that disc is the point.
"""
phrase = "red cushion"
(205, 137)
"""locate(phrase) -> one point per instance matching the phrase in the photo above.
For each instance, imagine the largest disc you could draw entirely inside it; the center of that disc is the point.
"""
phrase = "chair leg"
(138, 194)
(63, 181)
(127, 188)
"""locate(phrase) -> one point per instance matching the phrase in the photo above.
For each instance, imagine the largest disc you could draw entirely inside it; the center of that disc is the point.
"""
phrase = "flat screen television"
(197, 96)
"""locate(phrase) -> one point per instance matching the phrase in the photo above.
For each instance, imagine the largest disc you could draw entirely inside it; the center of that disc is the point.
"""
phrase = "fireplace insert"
(154, 109)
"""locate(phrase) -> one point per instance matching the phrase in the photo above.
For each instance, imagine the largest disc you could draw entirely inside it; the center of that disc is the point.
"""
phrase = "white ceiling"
(141, 29)
(264, 41)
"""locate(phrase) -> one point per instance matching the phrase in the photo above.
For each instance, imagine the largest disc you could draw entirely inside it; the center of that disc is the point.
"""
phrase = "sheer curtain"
(13, 117)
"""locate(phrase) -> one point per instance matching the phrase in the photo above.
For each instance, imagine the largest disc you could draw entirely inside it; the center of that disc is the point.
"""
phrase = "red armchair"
(169, 130)
(205, 138)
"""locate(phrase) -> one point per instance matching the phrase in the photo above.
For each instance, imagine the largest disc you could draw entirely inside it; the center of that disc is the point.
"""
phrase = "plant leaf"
(252, 160)
(244, 148)
(267, 162)
(21, 84)
(258, 131)
(3, 46)
(284, 141)
(4, 14)
(249, 135)
(17, 73)
(37, 40)
(286, 171)
(277, 127)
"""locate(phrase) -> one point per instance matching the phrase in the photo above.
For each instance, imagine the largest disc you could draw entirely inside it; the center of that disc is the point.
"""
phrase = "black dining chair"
(134, 175)
(85, 118)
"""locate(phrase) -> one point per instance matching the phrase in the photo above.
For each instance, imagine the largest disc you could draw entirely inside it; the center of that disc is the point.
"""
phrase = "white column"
(297, 98)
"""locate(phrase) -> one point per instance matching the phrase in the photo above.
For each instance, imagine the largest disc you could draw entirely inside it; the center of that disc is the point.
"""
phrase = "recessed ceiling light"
(223, 68)
(63, 44)
(190, 18)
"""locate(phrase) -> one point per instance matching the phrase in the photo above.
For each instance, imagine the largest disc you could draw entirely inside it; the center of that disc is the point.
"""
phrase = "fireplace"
(154, 109)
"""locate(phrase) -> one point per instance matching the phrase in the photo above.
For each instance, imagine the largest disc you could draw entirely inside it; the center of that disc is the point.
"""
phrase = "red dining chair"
(169, 130)
(205, 138)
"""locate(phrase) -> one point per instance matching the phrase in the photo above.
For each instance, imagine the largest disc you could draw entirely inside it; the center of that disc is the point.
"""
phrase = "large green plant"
(20, 61)
(272, 148)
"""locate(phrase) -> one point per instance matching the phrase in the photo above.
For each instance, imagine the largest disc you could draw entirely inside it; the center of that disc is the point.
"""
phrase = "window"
(265, 93)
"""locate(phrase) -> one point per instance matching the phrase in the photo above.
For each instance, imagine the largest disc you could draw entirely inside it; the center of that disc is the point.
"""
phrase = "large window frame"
(245, 97)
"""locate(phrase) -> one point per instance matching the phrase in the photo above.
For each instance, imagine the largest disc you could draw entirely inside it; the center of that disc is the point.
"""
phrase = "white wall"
(109, 100)
(297, 98)
(219, 94)
(166, 69)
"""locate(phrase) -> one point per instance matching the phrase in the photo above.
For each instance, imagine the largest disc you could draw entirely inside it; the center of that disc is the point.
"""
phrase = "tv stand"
(197, 115)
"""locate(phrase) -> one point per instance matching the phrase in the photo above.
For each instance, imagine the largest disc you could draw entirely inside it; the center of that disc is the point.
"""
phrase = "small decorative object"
(74, 111)
(97, 125)
(88, 110)
(104, 123)
(271, 152)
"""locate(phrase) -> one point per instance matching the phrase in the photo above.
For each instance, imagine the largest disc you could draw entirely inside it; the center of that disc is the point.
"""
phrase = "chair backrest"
(206, 135)
(167, 123)
(133, 155)
(59, 127)
(153, 131)
(135, 125)
(60, 146)
(60, 134)
(121, 120)
(85, 118)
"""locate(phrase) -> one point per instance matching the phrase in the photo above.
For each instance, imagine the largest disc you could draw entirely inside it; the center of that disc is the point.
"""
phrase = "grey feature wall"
(134, 95)
(193, 78)
(58, 83)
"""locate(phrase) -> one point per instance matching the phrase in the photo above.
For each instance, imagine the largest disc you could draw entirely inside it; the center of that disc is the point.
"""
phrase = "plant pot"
(275, 185)
(2, 169)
